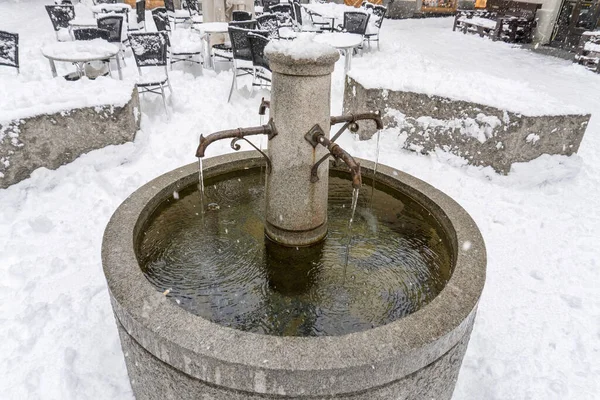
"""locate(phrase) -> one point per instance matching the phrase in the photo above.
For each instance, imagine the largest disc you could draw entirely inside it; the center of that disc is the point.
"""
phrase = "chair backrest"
(356, 22)
(149, 49)
(9, 49)
(114, 25)
(140, 11)
(268, 3)
(297, 12)
(239, 15)
(123, 11)
(379, 12)
(367, 5)
(193, 7)
(170, 6)
(60, 15)
(105, 2)
(91, 34)
(161, 19)
(269, 22)
(240, 44)
(258, 43)
(244, 24)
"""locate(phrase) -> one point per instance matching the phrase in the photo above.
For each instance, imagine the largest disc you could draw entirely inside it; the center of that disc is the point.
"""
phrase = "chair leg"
(233, 84)
(170, 88)
(162, 92)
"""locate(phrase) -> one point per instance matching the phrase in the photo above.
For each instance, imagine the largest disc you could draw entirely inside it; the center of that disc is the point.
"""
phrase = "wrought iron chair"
(113, 23)
(183, 45)
(239, 15)
(284, 14)
(373, 36)
(355, 22)
(140, 16)
(91, 34)
(262, 70)
(224, 51)
(150, 53)
(60, 15)
(194, 7)
(105, 12)
(177, 16)
(242, 54)
(9, 49)
(269, 23)
(299, 22)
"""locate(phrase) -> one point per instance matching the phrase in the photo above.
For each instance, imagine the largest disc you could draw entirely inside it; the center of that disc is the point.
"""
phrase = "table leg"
(209, 51)
(53, 68)
(119, 67)
(348, 60)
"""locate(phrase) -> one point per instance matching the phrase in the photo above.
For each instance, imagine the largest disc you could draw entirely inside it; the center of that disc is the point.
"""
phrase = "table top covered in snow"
(110, 7)
(80, 50)
(80, 21)
(213, 27)
(339, 40)
(479, 21)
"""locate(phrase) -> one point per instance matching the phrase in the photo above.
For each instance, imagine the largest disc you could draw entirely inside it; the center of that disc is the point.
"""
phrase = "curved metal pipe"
(358, 117)
(339, 153)
(268, 129)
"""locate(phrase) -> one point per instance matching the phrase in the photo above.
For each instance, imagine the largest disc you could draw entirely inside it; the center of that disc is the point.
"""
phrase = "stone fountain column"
(296, 213)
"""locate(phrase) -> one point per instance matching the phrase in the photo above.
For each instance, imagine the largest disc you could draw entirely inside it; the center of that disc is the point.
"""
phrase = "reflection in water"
(224, 269)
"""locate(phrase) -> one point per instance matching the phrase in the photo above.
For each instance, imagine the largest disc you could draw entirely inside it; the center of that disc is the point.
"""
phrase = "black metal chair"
(299, 22)
(182, 46)
(242, 54)
(91, 34)
(379, 12)
(355, 22)
(239, 15)
(284, 14)
(9, 49)
(150, 52)
(105, 12)
(113, 23)
(60, 15)
(223, 50)
(269, 23)
(140, 16)
(177, 16)
(262, 70)
(325, 24)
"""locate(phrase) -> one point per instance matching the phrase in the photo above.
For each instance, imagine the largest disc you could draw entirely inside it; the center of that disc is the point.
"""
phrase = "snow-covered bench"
(510, 21)
(51, 122)
(588, 53)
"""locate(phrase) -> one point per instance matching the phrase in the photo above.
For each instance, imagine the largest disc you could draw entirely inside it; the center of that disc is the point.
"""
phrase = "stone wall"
(483, 135)
(52, 140)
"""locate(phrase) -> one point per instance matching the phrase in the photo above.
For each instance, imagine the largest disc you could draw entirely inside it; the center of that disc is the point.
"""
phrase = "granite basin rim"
(186, 341)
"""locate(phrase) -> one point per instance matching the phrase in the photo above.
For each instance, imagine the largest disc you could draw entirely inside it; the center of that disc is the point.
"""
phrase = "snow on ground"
(537, 333)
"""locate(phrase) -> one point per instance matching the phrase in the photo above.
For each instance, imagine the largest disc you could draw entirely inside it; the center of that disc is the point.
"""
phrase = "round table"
(79, 22)
(79, 52)
(346, 42)
(210, 28)
(97, 9)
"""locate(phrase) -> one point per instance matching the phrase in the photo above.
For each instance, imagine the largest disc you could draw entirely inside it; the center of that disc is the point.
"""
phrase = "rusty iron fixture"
(264, 104)
(316, 135)
(351, 119)
(236, 134)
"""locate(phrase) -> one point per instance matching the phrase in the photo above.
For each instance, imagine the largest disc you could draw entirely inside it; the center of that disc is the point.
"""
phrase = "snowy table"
(97, 9)
(208, 29)
(79, 22)
(80, 52)
(346, 42)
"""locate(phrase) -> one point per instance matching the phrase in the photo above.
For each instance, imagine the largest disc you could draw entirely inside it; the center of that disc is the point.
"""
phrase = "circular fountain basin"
(177, 346)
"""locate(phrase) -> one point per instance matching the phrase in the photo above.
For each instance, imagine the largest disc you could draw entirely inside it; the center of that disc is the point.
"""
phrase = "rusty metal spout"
(352, 118)
(239, 133)
(340, 154)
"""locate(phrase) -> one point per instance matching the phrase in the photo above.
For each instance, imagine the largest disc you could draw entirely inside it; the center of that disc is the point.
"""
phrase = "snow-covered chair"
(284, 14)
(183, 45)
(114, 24)
(9, 49)
(299, 23)
(269, 23)
(60, 15)
(140, 17)
(177, 16)
(94, 68)
(240, 15)
(372, 33)
(262, 70)
(242, 54)
(150, 53)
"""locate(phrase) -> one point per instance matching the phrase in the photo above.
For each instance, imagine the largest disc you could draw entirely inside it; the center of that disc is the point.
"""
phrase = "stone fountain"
(210, 307)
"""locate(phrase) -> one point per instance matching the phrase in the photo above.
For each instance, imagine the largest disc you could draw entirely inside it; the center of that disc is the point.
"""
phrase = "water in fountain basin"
(225, 270)
(355, 192)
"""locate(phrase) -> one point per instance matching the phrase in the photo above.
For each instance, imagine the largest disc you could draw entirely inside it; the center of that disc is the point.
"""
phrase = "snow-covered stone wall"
(57, 138)
(482, 135)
